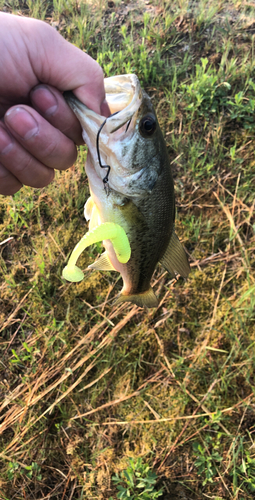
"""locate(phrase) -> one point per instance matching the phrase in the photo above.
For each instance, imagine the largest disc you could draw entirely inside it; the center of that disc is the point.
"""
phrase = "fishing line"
(128, 123)
(106, 178)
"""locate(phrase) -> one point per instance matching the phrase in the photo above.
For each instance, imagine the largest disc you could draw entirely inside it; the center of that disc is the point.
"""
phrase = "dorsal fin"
(175, 259)
(102, 264)
(145, 299)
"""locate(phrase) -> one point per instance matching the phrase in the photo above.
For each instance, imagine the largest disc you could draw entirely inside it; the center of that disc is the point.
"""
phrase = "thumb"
(59, 63)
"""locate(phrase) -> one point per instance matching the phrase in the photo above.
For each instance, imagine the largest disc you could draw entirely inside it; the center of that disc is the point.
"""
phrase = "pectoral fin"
(91, 214)
(88, 207)
(95, 218)
(102, 264)
(175, 259)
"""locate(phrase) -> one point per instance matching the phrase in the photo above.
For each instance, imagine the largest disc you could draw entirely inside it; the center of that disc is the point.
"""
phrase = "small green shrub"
(137, 482)
(207, 458)
(206, 93)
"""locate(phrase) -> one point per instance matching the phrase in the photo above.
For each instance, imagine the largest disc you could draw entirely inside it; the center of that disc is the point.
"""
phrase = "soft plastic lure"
(106, 231)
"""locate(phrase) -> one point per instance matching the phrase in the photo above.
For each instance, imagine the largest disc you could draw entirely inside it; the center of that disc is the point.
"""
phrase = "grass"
(87, 388)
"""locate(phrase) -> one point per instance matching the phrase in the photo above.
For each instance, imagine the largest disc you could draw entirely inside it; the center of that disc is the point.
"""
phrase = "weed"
(209, 93)
(11, 470)
(37, 8)
(136, 482)
(15, 470)
(208, 457)
(242, 108)
(246, 472)
(206, 93)
(26, 356)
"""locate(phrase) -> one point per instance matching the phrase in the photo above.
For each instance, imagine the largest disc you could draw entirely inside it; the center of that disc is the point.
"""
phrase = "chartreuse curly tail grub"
(106, 231)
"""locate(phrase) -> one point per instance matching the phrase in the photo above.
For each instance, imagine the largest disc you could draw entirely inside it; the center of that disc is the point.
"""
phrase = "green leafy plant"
(247, 472)
(209, 93)
(137, 482)
(33, 470)
(148, 65)
(242, 108)
(243, 467)
(12, 468)
(25, 356)
(207, 458)
(20, 209)
(206, 93)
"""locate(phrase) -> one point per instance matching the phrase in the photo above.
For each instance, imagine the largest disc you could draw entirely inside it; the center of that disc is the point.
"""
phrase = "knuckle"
(68, 128)
(33, 174)
(50, 151)
(99, 71)
(60, 157)
(59, 154)
(3, 173)
(98, 75)
(24, 166)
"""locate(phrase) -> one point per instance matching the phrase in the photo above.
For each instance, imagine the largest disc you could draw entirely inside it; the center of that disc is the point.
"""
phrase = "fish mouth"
(124, 97)
(107, 138)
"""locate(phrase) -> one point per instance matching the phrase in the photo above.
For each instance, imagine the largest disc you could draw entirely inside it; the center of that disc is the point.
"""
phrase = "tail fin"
(145, 299)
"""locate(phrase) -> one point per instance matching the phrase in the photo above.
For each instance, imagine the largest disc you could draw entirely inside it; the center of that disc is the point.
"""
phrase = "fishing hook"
(106, 178)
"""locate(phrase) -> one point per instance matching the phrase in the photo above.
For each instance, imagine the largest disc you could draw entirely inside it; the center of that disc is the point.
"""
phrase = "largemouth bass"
(131, 185)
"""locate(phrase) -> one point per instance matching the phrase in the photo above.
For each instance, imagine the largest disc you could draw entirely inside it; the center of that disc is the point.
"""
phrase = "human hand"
(38, 130)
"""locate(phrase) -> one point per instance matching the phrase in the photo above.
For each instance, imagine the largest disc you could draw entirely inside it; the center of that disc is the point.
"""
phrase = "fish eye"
(147, 125)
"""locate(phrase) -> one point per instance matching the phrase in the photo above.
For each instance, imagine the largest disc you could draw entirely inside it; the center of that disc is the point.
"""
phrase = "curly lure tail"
(106, 231)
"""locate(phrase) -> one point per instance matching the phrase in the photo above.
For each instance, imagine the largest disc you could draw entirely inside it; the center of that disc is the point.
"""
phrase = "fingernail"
(21, 122)
(6, 143)
(44, 100)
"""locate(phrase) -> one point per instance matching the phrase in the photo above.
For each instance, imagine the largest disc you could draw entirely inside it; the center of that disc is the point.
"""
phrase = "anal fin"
(145, 299)
(102, 264)
(175, 259)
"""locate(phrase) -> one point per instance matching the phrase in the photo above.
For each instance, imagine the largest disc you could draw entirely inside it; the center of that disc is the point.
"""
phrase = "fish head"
(128, 141)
